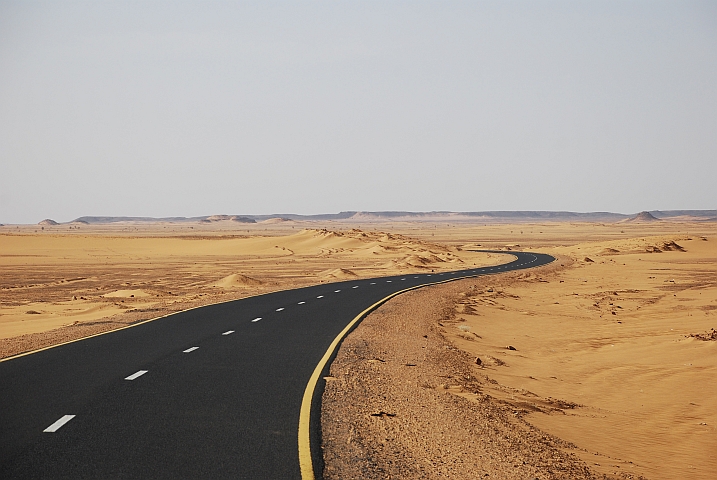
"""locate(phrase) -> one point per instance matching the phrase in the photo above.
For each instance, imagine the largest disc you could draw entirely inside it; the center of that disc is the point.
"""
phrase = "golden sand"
(611, 352)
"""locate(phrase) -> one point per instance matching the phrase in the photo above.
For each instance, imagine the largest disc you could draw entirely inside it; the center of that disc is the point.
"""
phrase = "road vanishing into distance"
(231, 390)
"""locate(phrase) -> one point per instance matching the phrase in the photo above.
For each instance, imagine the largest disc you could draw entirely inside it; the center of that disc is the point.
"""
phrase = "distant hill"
(643, 217)
(94, 220)
(436, 216)
(684, 213)
(492, 215)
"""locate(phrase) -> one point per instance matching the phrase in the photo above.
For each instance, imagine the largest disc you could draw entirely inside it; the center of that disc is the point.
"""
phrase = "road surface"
(213, 392)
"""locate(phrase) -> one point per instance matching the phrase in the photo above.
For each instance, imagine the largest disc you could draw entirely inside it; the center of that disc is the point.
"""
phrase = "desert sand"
(611, 349)
(612, 366)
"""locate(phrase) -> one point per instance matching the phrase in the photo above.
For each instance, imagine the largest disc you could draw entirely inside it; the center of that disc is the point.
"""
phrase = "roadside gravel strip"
(392, 406)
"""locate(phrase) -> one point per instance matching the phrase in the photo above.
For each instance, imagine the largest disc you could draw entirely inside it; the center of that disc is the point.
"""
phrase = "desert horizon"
(504, 216)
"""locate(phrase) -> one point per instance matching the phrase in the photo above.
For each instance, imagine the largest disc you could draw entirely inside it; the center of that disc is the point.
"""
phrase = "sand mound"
(417, 261)
(48, 221)
(127, 294)
(669, 246)
(338, 273)
(711, 335)
(237, 280)
(655, 244)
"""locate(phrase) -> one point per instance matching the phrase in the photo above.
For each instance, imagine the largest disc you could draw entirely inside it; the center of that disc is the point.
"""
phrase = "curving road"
(214, 392)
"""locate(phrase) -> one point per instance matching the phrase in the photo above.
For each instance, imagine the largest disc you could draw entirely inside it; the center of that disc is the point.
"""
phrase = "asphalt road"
(219, 397)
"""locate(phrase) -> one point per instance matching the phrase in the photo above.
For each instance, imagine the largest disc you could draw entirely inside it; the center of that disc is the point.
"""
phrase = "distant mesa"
(277, 220)
(644, 217)
(224, 218)
(435, 216)
(218, 218)
(81, 222)
(236, 218)
(48, 221)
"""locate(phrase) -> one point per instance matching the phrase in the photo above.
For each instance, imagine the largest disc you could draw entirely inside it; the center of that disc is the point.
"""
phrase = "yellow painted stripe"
(306, 464)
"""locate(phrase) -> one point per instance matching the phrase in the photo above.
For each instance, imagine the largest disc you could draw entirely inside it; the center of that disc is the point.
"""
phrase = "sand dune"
(338, 273)
(237, 280)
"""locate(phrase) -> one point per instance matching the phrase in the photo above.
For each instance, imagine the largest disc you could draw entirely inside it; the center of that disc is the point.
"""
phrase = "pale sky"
(151, 108)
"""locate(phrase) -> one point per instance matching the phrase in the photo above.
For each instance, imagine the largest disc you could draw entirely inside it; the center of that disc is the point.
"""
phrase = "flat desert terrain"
(602, 363)
(64, 282)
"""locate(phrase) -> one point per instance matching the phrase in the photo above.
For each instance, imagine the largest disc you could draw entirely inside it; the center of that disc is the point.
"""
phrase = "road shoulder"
(402, 402)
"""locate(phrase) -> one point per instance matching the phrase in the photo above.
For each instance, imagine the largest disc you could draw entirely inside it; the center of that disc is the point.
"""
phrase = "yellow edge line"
(306, 464)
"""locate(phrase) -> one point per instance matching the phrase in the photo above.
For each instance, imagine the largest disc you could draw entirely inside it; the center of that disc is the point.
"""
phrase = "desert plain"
(605, 361)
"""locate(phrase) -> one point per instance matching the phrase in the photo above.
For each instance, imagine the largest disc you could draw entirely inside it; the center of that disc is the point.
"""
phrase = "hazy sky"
(195, 108)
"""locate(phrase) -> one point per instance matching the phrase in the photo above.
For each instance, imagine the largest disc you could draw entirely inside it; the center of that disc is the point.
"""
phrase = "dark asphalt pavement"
(227, 409)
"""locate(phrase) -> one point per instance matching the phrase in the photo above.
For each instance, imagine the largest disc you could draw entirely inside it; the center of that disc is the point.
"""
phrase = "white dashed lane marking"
(337, 291)
(355, 286)
(136, 374)
(190, 349)
(256, 319)
(372, 283)
(280, 309)
(320, 296)
(388, 281)
(301, 303)
(58, 424)
(228, 332)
